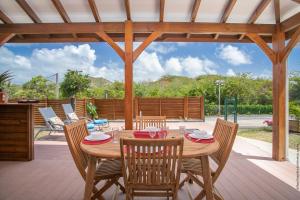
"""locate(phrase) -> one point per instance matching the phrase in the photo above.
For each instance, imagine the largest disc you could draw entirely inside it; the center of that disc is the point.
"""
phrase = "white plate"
(97, 137)
(200, 134)
(151, 128)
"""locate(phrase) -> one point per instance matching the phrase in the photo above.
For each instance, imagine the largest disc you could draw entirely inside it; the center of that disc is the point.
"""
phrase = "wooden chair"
(151, 174)
(224, 133)
(109, 170)
(151, 121)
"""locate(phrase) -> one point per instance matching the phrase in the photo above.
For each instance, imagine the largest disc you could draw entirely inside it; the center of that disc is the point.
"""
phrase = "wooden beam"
(297, 1)
(257, 12)
(263, 45)
(25, 6)
(161, 10)
(94, 9)
(108, 39)
(279, 98)
(138, 27)
(5, 37)
(128, 100)
(226, 13)
(61, 10)
(291, 23)
(127, 8)
(292, 43)
(144, 45)
(277, 10)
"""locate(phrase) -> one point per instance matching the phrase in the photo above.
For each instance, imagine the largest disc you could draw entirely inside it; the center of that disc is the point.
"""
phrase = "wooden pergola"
(255, 21)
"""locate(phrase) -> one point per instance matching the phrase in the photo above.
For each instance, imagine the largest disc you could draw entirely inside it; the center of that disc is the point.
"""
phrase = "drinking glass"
(152, 134)
(115, 135)
(181, 130)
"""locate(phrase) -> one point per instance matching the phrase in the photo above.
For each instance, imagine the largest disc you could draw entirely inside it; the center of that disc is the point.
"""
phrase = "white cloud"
(190, 66)
(233, 55)
(148, 66)
(230, 72)
(163, 48)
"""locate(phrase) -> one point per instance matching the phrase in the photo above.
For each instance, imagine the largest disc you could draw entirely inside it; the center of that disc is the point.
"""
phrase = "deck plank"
(249, 174)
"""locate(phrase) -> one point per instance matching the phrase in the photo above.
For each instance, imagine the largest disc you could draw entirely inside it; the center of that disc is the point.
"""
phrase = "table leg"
(208, 187)
(89, 180)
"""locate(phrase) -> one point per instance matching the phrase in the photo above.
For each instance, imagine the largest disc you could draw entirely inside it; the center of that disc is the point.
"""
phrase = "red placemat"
(145, 134)
(206, 141)
(96, 142)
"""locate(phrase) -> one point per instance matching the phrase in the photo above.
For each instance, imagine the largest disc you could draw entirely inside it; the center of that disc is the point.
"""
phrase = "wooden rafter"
(297, 1)
(127, 8)
(161, 10)
(257, 12)
(5, 37)
(194, 13)
(26, 7)
(226, 13)
(109, 41)
(61, 10)
(291, 22)
(292, 43)
(139, 27)
(144, 44)
(94, 9)
(263, 45)
(277, 11)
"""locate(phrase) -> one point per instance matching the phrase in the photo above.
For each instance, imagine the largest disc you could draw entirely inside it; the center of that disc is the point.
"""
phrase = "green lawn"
(265, 134)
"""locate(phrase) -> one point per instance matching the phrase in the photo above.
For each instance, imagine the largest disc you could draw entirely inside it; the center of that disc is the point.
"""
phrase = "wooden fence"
(173, 108)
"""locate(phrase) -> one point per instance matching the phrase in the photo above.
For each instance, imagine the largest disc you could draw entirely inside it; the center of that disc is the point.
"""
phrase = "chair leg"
(107, 185)
(181, 184)
(121, 186)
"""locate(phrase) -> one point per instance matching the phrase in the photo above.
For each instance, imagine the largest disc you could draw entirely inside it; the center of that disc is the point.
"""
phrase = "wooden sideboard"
(16, 132)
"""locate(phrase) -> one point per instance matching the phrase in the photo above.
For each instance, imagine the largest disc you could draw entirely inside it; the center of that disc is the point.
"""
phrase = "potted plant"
(92, 111)
(294, 122)
(5, 77)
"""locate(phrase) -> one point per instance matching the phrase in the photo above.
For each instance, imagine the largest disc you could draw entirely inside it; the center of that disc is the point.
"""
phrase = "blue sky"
(99, 60)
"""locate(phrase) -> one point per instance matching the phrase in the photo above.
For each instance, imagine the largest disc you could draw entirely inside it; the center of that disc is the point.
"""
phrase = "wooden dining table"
(111, 150)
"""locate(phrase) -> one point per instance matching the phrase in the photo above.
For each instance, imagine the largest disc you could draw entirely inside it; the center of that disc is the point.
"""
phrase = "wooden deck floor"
(249, 174)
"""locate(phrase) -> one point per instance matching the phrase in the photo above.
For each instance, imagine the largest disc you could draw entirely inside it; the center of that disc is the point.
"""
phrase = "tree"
(74, 82)
(38, 87)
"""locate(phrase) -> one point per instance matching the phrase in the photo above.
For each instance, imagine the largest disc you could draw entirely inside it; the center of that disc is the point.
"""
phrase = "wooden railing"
(113, 109)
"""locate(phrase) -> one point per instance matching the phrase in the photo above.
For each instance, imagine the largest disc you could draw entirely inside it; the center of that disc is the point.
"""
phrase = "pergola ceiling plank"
(291, 22)
(95, 10)
(7, 20)
(257, 12)
(226, 13)
(25, 6)
(127, 8)
(144, 27)
(297, 1)
(161, 10)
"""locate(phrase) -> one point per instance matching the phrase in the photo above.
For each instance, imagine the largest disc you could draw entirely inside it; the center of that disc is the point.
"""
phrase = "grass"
(265, 134)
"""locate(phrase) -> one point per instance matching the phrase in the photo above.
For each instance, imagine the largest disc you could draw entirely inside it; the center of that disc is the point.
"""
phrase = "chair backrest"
(67, 108)
(151, 162)
(225, 133)
(151, 121)
(75, 133)
(47, 113)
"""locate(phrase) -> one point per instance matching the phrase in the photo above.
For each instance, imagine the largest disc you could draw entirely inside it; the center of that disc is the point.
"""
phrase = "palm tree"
(4, 78)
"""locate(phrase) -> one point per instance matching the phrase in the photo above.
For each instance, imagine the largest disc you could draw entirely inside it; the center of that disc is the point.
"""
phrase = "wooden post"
(279, 97)
(128, 100)
(185, 108)
(202, 108)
